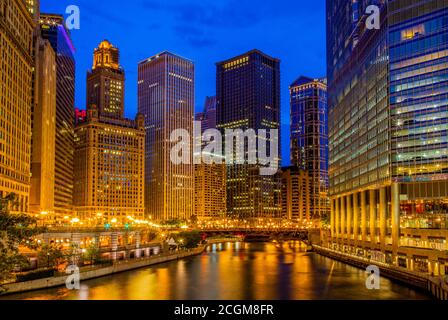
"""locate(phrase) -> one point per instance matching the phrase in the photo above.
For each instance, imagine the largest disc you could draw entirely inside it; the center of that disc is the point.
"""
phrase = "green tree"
(51, 255)
(92, 253)
(15, 230)
(189, 240)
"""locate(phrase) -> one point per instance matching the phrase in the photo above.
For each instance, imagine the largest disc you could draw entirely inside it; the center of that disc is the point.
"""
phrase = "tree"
(51, 255)
(189, 240)
(15, 230)
(92, 253)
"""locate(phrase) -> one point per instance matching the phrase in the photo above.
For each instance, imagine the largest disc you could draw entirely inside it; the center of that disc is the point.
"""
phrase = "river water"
(234, 271)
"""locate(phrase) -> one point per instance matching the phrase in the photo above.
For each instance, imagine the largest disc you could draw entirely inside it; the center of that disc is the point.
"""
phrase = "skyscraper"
(208, 116)
(309, 138)
(109, 150)
(166, 99)
(388, 131)
(33, 8)
(248, 97)
(53, 29)
(210, 179)
(43, 130)
(16, 73)
(109, 169)
(105, 83)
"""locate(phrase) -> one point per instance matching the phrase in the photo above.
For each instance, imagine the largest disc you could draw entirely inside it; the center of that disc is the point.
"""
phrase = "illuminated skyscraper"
(166, 99)
(53, 29)
(43, 130)
(105, 83)
(309, 138)
(248, 97)
(210, 179)
(109, 169)
(388, 131)
(208, 117)
(110, 150)
(16, 74)
(33, 8)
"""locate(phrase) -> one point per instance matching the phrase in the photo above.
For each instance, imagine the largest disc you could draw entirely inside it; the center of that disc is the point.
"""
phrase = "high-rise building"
(210, 179)
(296, 195)
(109, 152)
(105, 83)
(33, 7)
(309, 138)
(43, 130)
(388, 132)
(208, 116)
(248, 97)
(53, 29)
(109, 169)
(16, 74)
(166, 99)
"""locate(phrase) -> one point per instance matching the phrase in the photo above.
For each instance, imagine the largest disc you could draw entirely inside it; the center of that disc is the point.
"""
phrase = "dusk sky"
(204, 31)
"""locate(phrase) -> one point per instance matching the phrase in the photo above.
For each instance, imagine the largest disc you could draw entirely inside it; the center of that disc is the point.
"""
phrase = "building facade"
(16, 74)
(105, 82)
(297, 195)
(109, 150)
(53, 29)
(109, 169)
(208, 116)
(388, 130)
(210, 179)
(43, 131)
(248, 97)
(166, 99)
(309, 139)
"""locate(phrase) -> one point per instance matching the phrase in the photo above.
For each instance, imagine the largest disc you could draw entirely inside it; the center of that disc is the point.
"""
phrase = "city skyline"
(191, 188)
(216, 44)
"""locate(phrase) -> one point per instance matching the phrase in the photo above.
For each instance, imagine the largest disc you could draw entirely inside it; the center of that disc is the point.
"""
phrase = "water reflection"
(235, 271)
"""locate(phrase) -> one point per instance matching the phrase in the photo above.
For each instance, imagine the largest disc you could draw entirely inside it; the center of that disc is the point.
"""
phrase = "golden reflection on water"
(235, 271)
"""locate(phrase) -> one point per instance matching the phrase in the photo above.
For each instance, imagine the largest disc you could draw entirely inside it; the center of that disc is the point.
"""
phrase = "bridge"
(256, 234)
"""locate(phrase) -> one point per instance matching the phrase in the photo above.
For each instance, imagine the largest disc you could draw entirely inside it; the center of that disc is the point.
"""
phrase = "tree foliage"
(92, 253)
(15, 230)
(189, 240)
(51, 255)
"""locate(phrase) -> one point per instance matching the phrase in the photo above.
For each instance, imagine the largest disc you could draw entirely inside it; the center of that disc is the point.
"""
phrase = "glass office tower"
(248, 97)
(388, 132)
(166, 99)
(53, 29)
(309, 139)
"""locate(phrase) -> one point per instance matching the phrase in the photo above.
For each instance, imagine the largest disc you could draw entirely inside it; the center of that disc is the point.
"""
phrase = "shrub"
(35, 275)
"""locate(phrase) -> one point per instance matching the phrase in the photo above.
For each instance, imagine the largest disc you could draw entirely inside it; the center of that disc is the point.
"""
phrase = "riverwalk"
(436, 286)
(88, 273)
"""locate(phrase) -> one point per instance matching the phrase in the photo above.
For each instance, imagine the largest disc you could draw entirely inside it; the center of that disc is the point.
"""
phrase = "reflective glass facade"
(52, 27)
(309, 138)
(388, 131)
(248, 97)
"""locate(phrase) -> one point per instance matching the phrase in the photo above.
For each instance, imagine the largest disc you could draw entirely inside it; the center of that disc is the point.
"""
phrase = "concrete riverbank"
(117, 267)
(436, 286)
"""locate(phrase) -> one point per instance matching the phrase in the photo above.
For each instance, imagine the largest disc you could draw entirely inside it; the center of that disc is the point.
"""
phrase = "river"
(237, 271)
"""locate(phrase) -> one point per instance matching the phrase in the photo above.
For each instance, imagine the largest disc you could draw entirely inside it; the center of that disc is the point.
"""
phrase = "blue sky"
(204, 31)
